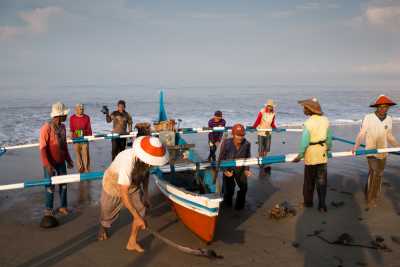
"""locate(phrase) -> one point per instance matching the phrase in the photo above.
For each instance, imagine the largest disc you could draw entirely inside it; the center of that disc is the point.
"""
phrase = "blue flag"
(162, 113)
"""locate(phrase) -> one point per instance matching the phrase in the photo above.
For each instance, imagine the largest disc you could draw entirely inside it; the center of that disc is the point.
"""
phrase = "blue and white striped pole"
(72, 178)
(97, 137)
(61, 179)
(353, 143)
(275, 159)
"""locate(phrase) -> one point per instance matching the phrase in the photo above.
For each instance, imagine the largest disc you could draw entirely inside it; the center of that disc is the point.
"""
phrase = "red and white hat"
(150, 150)
(382, 100)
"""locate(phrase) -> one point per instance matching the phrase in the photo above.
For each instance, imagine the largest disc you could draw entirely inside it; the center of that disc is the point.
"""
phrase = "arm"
(109, 117)
(124, 182)
(258, 120)
(360, 136)
(329, 139)
(273, 124)
(67, 155)
(392, 140)
(304, 143)
(130, 207)
(146, 191)
(129, 123)
(71, 127)
(89, 127)
(43, 144)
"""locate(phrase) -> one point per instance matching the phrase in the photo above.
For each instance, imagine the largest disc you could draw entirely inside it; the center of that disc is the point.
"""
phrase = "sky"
(185, 42)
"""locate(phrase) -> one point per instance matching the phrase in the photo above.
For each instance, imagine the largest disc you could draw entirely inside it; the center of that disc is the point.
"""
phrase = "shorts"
(110, 206)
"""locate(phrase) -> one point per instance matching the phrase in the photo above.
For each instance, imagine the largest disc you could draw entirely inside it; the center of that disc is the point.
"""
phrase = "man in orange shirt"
(54, 154)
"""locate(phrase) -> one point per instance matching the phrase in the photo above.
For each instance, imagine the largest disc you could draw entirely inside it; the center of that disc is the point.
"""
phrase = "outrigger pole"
(73, 178)
(353, 143)
(97, 137)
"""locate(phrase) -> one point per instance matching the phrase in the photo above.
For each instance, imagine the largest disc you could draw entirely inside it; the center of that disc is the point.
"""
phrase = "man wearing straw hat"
(54, 153)
(316, 141)
(376, 129)
(264, 123)
(125, 183)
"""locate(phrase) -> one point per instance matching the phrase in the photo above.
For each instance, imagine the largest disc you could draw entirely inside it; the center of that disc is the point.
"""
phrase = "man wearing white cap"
(54, 153)
(125, 183)
(376, 129)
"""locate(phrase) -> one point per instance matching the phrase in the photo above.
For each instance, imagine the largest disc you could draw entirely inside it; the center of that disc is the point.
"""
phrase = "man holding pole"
(316, 141)
(376, 129)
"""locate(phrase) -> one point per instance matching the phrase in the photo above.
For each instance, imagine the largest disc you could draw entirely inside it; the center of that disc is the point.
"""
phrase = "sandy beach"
(245, 238)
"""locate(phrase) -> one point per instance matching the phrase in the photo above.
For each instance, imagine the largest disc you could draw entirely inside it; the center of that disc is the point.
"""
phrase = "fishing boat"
(191, 193)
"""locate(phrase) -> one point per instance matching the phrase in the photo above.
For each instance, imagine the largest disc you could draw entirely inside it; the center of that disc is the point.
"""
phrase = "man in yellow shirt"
(316, 141)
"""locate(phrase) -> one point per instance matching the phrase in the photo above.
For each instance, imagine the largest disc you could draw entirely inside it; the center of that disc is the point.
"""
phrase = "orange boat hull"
(202, 225)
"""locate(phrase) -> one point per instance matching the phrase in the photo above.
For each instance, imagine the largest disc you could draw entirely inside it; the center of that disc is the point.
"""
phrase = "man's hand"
(248, 173)
(228, 173)
(146, 201)
(139, 222)
(50, 170)
(70, 164)
(353, 150)
(297, 159)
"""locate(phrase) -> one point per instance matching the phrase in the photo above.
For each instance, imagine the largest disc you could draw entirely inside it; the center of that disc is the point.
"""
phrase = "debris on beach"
(396, 239)
(282, 210)
(345, 239)
(346, 193)
(337, 204)
(295, 244)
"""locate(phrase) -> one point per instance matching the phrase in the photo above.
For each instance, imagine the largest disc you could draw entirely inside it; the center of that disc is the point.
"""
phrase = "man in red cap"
(234, 148)
(376, 129)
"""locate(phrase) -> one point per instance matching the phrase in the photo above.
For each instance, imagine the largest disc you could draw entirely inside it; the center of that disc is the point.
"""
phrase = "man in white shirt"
(125, 183)
(376, 129)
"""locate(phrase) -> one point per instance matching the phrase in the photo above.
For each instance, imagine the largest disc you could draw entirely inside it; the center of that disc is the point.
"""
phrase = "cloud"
(389, 67)
(384, 16)
(36, 21)
(303, 9)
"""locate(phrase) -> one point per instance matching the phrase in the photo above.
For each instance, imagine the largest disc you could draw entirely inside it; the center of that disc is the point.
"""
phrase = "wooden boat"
(192, 194)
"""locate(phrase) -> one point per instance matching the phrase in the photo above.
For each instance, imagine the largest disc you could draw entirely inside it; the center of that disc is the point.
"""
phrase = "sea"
(23, 109)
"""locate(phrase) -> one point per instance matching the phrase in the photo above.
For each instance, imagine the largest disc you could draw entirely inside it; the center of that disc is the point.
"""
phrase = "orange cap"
(238, 129)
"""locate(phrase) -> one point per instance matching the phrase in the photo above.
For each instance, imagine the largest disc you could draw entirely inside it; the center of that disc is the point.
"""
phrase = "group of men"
(316, 141)
(53, 147)
(125, 182)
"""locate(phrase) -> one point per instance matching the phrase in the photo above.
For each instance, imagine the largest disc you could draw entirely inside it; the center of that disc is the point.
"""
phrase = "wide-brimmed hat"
(313, 105)
(58, 109)
(150, 150)
(270, 103)
(238, 129)
(382, 100)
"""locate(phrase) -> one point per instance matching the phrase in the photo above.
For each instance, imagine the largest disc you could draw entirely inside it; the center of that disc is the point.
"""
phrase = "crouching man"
(125, 183)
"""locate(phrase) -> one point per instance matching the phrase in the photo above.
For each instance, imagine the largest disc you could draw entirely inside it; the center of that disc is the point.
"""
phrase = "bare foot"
(63, 211)
(102, 234)
(134, 247)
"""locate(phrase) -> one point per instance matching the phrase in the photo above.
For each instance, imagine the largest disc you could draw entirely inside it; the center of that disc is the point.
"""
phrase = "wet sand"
(244, 238)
